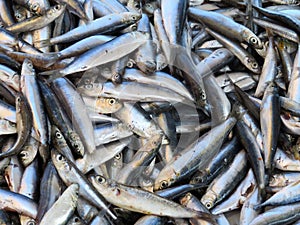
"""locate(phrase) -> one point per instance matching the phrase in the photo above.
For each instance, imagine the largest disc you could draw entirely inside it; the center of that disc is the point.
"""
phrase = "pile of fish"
(149, 112)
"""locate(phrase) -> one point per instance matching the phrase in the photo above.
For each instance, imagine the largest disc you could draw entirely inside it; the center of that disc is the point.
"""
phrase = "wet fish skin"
(24, 123)
(70, 174)
(269, 69)
(225, 183)
(77, 112)
(18, 203)
(253, 152)
(63, 208)
(30, 89)
(229, 27)
(34, 23)
(281, 214)
(247, 59)
(218, 163)
(114, 191)
(101, 54)
(287, 195)
(270, 124)
(109, 23)
(55, 115)
(182, 165)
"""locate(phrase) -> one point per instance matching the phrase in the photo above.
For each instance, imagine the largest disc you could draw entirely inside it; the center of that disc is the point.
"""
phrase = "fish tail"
(53, 57)
(43, 43)
(53, 74)
(207, 216)
(259, 206)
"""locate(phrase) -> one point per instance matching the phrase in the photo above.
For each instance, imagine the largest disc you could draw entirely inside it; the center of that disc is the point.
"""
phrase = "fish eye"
(76, 146)
(130, 64)
(163, 184)
(118, 156)
(134, 27)
(101, 179)
(208, 205)
(58, 135)
(254, 65)
(59, 157)
(23, 154)
(76, 220)
(147, 181)
(203, 96)
(111, 101)
(253, 40)
(117, 78)
(57, 7)
(29, 64)
(35, 7)
(31, 223)
(133, 17)
(19, 16)
(88, 86)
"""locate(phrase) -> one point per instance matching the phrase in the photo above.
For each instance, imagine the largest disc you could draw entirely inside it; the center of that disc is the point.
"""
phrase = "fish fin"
(259, 206)
(42, 43)
(53, 74)
(53, 57)
(207, 216)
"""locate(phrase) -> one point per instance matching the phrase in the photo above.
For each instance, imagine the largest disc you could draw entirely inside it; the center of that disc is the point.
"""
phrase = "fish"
(114, 192)
(149, 112)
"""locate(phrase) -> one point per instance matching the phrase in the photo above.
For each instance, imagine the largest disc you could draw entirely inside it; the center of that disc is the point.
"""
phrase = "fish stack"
(149, 112)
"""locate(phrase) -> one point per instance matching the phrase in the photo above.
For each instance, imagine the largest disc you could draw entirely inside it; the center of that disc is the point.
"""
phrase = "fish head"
(36, 8)
(252, 39)
(28, 154)
(60, 162)
(57, 135)
(108, 105)
(252, 65)
(76, 143)
(27, 68)
(166, 178)
(99, 182)
(131, 17)
(56, 10)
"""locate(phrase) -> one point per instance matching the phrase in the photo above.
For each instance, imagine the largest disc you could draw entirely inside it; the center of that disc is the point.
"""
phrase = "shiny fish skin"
(50, 190)
(70, 174)
(66, 93)
(56, 116)
(179, 167)
(99, 26)
(269, 70)
(35, 23)
(30, 89)
(139, 102)
(102, 54)
(222, 185)
(24, 123)
(270, 126)
(278, 215)
(229, 27)
(18, 203)
(114, 192)
(247, 59)
(63, 208)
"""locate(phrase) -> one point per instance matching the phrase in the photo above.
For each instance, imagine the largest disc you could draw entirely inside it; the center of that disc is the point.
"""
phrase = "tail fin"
(53, 74)
(43, 43)
(207, 216)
